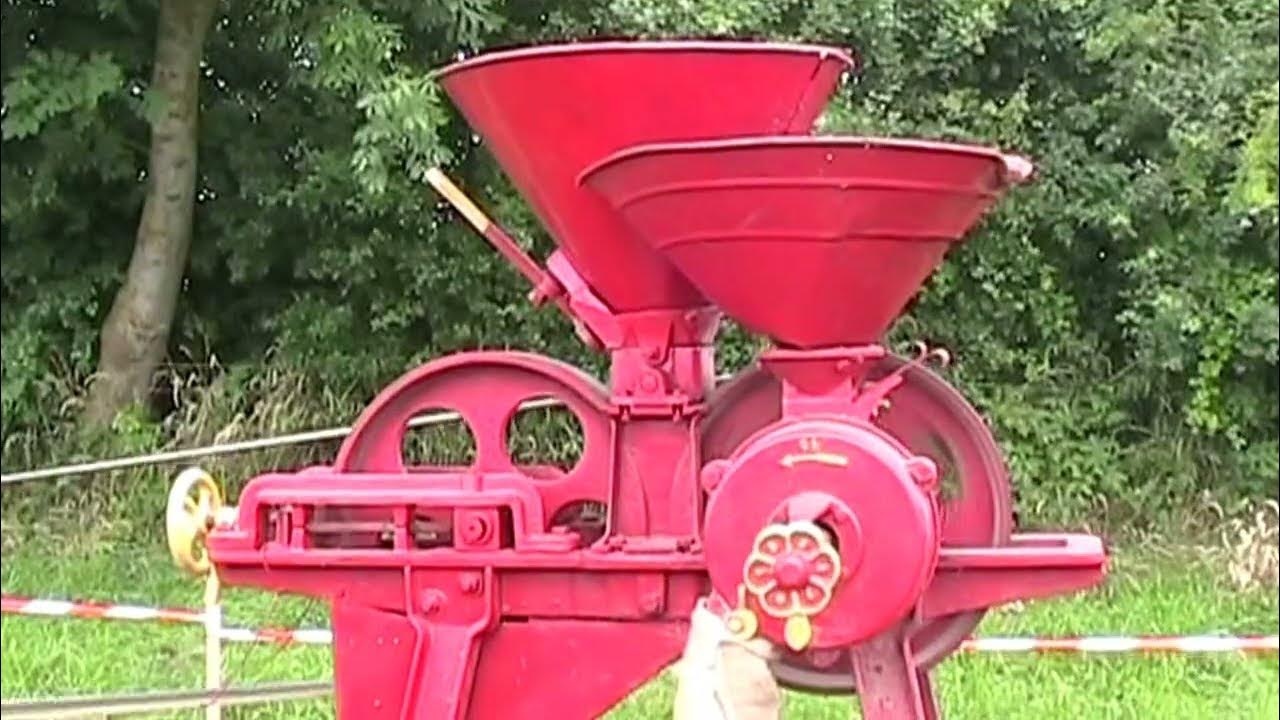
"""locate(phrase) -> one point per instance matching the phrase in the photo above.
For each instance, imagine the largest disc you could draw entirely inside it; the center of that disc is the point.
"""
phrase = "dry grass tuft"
(1247, 543)
(1252, 545)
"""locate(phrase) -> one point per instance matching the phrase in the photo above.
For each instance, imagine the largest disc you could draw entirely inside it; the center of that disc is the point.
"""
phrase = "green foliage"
(1116, 320)
(52, 84)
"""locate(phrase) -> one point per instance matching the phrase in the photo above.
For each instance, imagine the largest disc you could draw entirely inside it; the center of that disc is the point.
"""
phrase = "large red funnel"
(547, 112)
(815, 241)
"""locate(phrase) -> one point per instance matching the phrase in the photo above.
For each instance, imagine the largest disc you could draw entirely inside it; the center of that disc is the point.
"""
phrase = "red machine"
(845, 503)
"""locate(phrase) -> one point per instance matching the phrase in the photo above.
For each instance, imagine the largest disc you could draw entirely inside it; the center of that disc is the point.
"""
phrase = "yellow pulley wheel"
(195, 503)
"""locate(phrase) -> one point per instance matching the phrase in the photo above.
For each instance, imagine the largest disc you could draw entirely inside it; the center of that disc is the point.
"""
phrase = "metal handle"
(543, 283)
(459, 200)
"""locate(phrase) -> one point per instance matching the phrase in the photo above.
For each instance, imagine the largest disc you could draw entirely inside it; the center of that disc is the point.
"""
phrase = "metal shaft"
(117, 705)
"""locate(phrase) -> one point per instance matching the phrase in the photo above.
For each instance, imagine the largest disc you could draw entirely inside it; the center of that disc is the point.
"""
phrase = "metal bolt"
(792, 571)
(470, 583)
(432, 600)
(475, 530)
(923, 471)
(712, 474)
(648, 383)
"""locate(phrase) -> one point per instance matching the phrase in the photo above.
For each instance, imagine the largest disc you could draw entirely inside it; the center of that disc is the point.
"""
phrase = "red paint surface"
(813, 241)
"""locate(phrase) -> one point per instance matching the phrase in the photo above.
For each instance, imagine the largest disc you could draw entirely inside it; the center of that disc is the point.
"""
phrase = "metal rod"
(150, 702)
(171, 456)
(491, 231)
(232, 448)
(545, 284)
(160, 458)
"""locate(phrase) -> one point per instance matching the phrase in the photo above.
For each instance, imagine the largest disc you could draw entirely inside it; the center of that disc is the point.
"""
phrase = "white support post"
(213, 644)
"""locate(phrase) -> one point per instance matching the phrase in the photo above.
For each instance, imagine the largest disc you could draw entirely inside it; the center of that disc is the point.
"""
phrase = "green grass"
(1145, 594)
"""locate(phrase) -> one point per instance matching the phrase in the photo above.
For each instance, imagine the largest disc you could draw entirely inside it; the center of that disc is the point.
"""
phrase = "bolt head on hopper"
(546, 113)
(814, 241)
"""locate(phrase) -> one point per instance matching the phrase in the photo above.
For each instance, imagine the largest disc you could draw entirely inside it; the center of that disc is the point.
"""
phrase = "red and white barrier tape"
(1178, 645)
(1190, 644)
(17, 605)
(279, 636)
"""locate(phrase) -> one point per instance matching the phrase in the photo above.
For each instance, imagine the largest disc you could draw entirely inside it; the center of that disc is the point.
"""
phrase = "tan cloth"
(720, 678)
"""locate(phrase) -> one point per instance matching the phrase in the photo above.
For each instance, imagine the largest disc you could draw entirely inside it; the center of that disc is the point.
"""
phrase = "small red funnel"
(815, 241)
(547, 112)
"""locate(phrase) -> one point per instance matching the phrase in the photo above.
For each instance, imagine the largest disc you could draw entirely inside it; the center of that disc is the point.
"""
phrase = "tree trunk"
(135, 335)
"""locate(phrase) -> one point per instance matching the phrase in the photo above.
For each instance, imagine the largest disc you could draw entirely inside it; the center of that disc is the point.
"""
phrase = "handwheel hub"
(792, 571)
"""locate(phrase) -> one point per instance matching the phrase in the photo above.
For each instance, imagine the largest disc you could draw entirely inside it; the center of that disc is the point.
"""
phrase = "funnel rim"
(1013, 166)
(847, 58)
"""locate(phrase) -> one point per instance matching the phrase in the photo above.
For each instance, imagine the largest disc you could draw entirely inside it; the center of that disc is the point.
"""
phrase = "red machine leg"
(569, 668)
(395, 666)
(372, 690)
(440, 677)
(890, 684)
